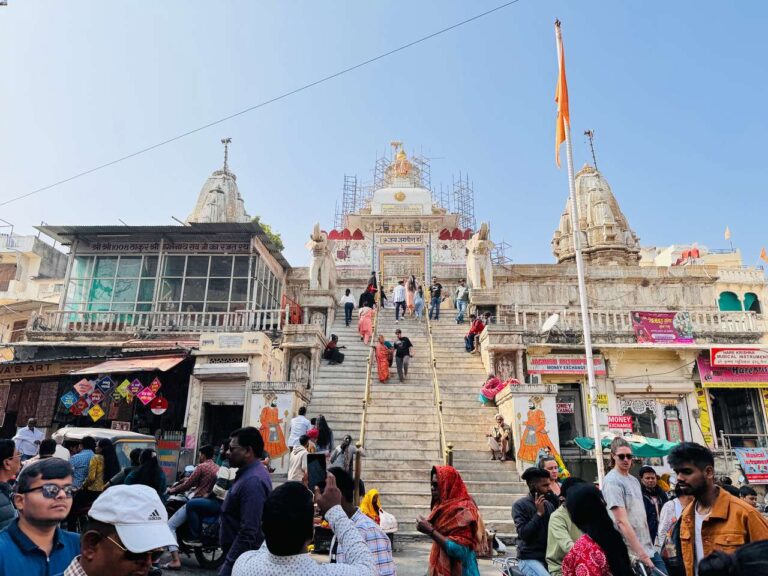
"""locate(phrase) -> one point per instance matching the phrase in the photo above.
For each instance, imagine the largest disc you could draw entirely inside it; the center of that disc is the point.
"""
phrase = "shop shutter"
(227, 392)
(46, 403)
(5, 388)
(28, 403)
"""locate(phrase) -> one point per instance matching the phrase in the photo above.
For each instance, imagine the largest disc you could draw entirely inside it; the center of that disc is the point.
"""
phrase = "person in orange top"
(715, 520)
(271, 429)
(534, 436)
(383, 359)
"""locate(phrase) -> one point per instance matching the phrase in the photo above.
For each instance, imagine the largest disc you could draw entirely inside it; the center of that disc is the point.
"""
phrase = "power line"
(262, 104)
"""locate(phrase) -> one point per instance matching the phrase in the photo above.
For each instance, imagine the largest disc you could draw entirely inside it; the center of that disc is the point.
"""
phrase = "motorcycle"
(209, 555)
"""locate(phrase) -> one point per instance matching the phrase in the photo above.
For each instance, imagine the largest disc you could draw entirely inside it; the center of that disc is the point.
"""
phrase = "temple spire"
(226, 142)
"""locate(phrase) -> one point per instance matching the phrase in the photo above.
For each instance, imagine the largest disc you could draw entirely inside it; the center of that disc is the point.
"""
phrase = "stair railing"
(445, 447)
(366, 401)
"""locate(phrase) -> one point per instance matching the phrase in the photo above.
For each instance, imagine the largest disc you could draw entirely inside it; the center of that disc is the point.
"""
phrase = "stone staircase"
(402, 438)
(337, 391)
(494, 485)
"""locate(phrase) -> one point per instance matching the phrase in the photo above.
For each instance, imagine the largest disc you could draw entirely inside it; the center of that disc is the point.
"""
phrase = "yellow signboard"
(704, 421)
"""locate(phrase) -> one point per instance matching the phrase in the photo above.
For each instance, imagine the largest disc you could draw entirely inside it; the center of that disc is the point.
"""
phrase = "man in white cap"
(127, 531)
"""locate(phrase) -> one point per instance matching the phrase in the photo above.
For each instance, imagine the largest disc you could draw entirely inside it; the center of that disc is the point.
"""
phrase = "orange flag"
(764, 255)
(561, 96)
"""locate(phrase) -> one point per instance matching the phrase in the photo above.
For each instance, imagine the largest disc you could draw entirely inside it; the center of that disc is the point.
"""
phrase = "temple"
(210, 321)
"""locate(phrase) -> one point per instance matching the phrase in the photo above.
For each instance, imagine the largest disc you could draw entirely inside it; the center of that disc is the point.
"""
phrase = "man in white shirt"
(297, 463)
(28, 440)
(288, 527)
(299, 427)
(349, 305)
(398, 297)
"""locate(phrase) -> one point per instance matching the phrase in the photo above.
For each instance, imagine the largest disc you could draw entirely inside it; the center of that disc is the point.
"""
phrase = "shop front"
(736, 390)
(567, 373)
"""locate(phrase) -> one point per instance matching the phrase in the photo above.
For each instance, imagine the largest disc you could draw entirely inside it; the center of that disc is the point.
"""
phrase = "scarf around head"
(456, 517)
(367, 507)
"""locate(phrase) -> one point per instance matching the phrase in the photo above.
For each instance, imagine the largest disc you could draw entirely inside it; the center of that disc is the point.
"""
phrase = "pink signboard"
(731, 376)
(662, 327)
(564, 364)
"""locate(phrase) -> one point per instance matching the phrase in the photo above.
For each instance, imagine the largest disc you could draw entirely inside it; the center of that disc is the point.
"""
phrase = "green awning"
(642, 447)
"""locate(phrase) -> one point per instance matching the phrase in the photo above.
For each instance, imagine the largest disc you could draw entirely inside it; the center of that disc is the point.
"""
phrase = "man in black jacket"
(10, 464)
(654, 498)
(531, 516)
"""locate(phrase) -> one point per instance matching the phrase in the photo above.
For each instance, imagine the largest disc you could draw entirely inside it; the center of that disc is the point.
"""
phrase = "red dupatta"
(456, 517)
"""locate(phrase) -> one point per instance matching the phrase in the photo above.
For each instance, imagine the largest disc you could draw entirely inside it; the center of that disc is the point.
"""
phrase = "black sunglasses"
(52, 490)
(624, 456)
(137, 557)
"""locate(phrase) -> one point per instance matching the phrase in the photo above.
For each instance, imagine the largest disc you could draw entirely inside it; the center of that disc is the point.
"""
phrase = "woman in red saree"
(365, 323)
(454, 525)
(383, 356)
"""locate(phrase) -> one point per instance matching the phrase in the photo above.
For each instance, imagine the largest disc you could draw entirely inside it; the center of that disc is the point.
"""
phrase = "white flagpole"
(593, 392)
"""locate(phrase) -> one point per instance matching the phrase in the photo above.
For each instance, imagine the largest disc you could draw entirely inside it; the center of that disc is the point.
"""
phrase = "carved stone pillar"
(519, 366)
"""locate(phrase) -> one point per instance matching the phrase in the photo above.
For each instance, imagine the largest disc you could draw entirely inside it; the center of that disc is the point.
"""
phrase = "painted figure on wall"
(271, 431)
(534, 435)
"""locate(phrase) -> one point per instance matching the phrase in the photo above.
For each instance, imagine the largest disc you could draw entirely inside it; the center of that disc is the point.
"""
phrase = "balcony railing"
(160, 322)
(620, 321)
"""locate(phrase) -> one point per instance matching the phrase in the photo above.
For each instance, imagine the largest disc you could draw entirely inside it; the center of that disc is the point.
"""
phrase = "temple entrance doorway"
(399, 264)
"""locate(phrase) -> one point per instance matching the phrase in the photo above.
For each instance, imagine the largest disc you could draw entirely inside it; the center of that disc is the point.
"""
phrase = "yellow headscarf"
(367, 507)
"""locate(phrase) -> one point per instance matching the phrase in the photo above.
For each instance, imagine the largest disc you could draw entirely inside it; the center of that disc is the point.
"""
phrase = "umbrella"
(642, 446)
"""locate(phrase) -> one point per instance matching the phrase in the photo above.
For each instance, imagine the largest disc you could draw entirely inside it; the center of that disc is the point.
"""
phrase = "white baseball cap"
(138, 515)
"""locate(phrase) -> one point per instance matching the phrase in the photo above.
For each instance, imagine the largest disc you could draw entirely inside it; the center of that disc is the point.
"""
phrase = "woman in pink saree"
(383, 358)
(410, 294)
(493, 385)
(365, 323)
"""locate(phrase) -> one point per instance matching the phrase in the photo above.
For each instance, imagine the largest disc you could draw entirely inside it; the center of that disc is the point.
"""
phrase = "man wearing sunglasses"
(624, 498)
(127, 531)
(33, 544)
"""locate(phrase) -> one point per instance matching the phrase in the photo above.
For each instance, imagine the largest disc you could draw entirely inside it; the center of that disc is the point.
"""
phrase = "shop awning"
(642, 446)
(127, 365)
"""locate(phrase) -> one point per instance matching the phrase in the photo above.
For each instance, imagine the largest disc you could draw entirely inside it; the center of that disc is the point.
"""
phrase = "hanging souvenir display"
(135, 387)
(105, 384)
(95, 412)
(155, 385)
(84, 387)
(158, 406)
(78, 407)
(96, 397)
(146, 395)
(122, 389)
(69, 399)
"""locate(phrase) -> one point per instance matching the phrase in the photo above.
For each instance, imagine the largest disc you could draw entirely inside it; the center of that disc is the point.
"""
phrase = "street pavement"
(411, 559)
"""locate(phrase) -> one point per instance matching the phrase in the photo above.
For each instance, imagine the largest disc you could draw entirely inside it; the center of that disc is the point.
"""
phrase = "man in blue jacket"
(33, 544)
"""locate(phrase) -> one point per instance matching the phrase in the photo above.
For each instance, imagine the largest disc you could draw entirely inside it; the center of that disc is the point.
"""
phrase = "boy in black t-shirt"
(402, 354)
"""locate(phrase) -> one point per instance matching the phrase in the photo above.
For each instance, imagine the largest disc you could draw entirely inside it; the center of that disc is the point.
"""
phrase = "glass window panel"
(216, 307)
(143, 307)
(237, 306)
(221, 266)
(168, 306)
(105, 267)
(129, 267)
(123, 307)
(82, 267)
(125, 290)
(146, 290)
(218, 289)
(241, 266)
(174, 266)
(77, 290)
(194, 289)
(101, 290)
(240, 289)
(197, 266)
(192, 307)
(170, 290)
(98, 307)
(149, 267)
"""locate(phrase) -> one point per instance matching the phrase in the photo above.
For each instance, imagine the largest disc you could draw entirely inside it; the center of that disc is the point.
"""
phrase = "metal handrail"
(366, 400)
(445, 448)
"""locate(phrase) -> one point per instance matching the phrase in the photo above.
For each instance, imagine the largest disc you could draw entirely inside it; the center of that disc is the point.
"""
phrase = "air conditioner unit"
(535, 379)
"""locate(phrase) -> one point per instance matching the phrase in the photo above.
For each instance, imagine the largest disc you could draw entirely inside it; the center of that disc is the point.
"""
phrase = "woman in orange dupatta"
(365, 323)
(453, 524)
(383, 356)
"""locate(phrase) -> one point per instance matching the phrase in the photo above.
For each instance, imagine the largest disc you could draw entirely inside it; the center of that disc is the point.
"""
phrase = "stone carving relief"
(479, 267)
(504, 366)
(317, 319)
(300, 367)
(322, 270)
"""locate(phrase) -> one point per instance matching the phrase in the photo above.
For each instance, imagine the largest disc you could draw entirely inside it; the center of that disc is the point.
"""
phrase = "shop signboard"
(731, 376)
(121, 425)
(564, 407)
(168, 456)
(84, 387)
(662, 327)
(620, 422)
(738, 357)
(564, 364)
(754, 462)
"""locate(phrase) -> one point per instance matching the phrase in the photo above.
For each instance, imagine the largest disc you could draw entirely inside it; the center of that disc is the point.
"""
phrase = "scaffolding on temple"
(351, 201)
(380, 172)
(442, 197)
(499, 255)
(464, 202)
(425, 170)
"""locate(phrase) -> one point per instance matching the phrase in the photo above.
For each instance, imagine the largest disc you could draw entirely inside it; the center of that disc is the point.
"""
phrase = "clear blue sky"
(675, 92)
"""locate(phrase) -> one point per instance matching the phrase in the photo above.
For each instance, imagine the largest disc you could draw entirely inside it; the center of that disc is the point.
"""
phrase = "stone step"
(415, 498)
(389, 486)
(496, 515)
(501, 474)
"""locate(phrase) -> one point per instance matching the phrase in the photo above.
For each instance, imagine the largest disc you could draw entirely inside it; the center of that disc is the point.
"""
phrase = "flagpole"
(593, 391)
